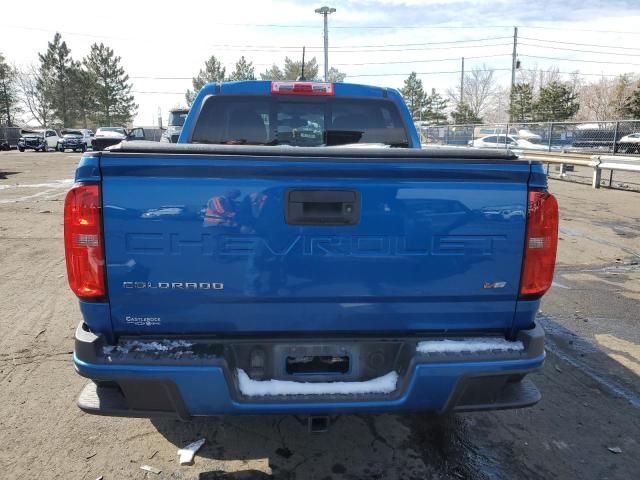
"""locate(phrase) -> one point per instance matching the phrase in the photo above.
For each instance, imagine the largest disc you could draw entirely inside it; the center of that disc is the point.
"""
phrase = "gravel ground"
(590, 382)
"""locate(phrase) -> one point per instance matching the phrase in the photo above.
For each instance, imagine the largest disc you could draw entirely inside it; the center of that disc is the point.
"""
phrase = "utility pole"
(514, 66)
(302, 77)
(325, 11)
(514, 56)
(462, 83)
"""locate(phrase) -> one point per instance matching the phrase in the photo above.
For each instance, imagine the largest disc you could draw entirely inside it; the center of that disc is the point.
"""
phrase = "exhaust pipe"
(318, 424)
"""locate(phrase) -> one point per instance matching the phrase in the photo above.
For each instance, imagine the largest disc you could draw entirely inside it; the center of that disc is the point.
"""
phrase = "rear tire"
(84, 148)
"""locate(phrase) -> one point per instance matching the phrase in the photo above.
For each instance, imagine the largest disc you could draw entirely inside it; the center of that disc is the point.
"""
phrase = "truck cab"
(177, 117)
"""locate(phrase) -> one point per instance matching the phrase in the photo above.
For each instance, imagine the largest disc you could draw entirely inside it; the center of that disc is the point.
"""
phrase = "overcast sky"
(173, 39)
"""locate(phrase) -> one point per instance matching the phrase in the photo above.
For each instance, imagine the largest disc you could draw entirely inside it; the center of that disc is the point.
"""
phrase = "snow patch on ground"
(261, 388)
(57, 184)
(136, 346)
(469, 345)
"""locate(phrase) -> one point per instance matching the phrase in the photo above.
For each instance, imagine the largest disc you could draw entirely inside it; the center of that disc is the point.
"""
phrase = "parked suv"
(38, 140)
(75, 140)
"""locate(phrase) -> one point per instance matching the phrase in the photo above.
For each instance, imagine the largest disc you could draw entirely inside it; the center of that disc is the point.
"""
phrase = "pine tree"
(521, 103)
(84, 87)
(56, 71)
(434, 108)
(293, 69)
(8, 93)
(335, 75)
(243, 70)
(464, 114)
(556, 102)
(213, 71)
(414, 96)
(272, 73)
(621, 96)
(114, 103)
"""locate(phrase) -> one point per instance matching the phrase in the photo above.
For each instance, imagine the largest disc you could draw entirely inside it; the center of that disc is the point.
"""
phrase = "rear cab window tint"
(298, 121)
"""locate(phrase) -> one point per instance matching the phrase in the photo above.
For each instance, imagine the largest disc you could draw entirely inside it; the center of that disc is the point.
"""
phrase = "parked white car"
(629, 143)
(107, 136)
(525, 133)
(512, 142)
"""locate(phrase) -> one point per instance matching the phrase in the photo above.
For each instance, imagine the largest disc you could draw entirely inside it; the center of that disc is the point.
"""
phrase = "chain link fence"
(611, 137)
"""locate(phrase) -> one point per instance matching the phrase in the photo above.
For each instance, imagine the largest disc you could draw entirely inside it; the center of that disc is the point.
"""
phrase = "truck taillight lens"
(83, 242)
(302, 88)
(540, 246)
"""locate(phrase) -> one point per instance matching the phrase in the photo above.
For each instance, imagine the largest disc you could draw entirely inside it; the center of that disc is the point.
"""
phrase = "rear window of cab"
(299, 121)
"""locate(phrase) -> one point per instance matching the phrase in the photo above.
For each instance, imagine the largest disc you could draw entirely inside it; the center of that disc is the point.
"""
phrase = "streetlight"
(324, 11)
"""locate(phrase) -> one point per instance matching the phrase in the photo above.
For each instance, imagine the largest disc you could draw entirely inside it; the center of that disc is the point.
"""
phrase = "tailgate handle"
(322, 207)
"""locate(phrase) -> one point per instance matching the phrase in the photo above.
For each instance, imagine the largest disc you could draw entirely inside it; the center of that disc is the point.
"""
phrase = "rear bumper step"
(110, 399)
(192, 377)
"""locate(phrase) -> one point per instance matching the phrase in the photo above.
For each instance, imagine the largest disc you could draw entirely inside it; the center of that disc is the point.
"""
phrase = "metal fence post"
(597, 172)
(615, 138)
(550, 135)
(506, 136)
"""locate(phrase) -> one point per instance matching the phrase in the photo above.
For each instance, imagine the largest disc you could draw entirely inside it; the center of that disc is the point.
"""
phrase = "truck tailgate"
(211, 244)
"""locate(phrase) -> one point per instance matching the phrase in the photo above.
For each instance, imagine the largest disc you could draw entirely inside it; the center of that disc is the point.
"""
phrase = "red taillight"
(301, 88)
(83, 241)
(541, 244)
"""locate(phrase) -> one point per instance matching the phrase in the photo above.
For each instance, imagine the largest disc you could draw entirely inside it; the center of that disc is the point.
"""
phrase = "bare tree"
(604, 99)
(480, 91)
(538, 78)
(498, 109)
(33, 97)
(596, 100)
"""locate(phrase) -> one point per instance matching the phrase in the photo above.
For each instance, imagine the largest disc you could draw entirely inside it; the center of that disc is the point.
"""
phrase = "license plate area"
(317, 365)
(317, 362)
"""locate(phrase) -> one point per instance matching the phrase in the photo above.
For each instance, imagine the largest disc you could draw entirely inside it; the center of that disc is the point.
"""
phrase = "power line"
(447, 72)
(355, 27)
(579, 44)
(480, 70)
(425, 73)
(419, 61)
(581, 50)
(71, 34)
(623, 32)
(425, 43)
(296, 49)
(583, 61)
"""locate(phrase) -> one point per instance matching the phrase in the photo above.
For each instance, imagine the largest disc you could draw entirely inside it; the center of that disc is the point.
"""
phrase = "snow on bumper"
(273, 388)
(151, 383)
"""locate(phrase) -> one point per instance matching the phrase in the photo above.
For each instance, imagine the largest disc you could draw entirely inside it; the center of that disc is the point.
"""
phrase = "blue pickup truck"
(298, 252)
